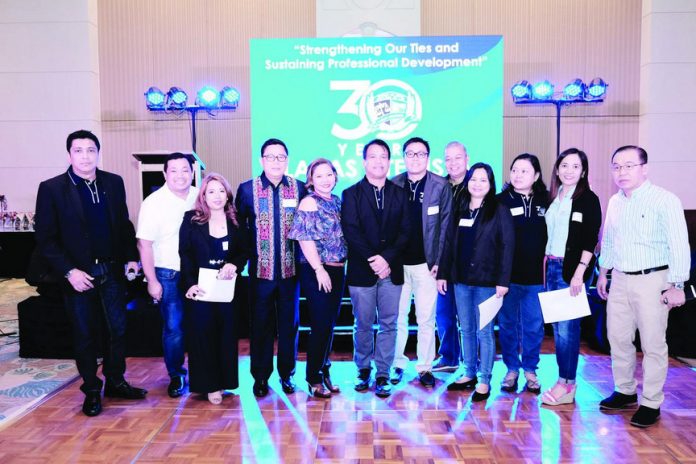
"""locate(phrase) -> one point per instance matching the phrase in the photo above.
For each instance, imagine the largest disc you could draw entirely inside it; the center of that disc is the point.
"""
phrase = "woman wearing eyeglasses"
(317, 228)
(572, 222)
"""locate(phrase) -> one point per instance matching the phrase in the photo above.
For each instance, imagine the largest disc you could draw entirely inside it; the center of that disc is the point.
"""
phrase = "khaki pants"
(635, 303)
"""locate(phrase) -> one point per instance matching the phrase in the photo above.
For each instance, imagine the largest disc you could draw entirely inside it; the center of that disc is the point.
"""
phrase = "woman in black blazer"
(572, 221)
(478, 259)
(210, 238)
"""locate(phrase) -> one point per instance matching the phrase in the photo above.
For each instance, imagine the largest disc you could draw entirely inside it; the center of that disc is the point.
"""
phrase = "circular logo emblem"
(392, 109)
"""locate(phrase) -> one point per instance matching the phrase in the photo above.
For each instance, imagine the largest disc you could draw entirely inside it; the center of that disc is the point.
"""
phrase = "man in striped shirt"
(646, 244)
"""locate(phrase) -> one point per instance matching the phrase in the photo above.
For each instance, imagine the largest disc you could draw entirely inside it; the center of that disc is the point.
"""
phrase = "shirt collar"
(569, 193)
(75, 178)
(267, 183)
(639, 191)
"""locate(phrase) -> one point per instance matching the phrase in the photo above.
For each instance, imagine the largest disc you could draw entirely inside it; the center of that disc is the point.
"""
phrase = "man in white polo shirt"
(158, 242)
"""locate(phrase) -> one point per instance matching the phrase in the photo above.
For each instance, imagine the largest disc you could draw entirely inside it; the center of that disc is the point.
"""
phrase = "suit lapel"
(72, 197)
(110, 201)
(368, 193)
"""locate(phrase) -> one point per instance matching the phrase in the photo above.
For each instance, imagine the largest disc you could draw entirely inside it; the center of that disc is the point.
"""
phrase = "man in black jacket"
(375, 222)
(83, 232)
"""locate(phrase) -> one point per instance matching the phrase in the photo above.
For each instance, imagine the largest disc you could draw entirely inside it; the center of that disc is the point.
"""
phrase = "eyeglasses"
(419, 154)
(626, 167)
(280, 158)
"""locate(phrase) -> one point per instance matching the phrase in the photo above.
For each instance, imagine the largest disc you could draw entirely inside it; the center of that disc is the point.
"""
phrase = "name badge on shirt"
(466, 222)
(517, 211)
(225, 245)
(433, 210)
(577, 216)
(289, 203)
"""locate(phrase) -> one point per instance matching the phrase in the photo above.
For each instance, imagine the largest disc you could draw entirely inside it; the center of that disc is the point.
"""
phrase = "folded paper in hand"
(216, 290)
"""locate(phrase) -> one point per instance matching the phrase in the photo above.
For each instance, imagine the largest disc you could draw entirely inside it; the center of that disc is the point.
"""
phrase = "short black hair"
(417, 140)
(176, 156)
(269, 142)
(81, 134)
(378, 142)
(642, 154)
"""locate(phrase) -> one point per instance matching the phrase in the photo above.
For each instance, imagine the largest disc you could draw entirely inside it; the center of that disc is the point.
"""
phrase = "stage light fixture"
(154, 98)
(176, 98)
(229, 97)
(521, 91)
(208, 97)
(595, 89)
(574, 91)
(542, 90)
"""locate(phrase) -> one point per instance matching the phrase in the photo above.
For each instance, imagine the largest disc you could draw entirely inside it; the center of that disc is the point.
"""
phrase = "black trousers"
(273, 302)
(323, 311)
(98, 318)
(211, 337)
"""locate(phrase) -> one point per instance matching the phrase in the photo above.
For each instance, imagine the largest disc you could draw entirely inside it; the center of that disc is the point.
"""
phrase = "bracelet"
(584, 264)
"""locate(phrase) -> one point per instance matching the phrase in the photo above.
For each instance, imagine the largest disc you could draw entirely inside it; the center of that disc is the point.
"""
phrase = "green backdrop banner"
(328, 97)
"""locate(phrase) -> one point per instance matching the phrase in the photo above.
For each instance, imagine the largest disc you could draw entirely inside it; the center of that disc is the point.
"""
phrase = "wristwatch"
(678, 285)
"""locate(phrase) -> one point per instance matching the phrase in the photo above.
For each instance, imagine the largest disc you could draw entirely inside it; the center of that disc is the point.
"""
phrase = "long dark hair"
(202, 211)
(538, 187)
(490, 202)
(583, 184)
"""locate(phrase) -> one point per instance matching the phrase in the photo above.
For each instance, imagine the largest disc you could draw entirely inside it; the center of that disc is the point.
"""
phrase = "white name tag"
(577, 216)
(225, 245)
(517, 211)
(466, 222)
(433, 210)
(289, 203)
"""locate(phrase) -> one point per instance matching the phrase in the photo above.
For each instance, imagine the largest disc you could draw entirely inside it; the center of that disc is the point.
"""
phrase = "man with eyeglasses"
(375, 222)
(266, 206)
(429, 200)
(645, 242)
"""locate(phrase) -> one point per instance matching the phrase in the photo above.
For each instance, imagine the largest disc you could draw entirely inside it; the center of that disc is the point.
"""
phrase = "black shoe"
(457, 386)
(645, 417)
(92, 405)
(124, 390)
(618, 401)
(476, 397)
(319, 390)
(362, 383)
(397, 375)
(176, 386)
(329, 385)
(383, 389)
(426, 379)
(287, 385)
(260, 388)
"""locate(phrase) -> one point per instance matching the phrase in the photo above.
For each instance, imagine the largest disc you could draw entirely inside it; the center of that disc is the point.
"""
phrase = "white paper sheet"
(216, 290)
(558, 305)
(488, 309)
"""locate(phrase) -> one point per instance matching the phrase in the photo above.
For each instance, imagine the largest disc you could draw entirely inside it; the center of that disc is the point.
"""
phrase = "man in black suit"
(83, 232)
(375, 222)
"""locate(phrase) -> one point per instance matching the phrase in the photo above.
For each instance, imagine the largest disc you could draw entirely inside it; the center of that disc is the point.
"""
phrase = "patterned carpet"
(24, 382)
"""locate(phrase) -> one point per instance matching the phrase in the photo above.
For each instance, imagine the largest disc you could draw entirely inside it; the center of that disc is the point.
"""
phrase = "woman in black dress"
(210, 238)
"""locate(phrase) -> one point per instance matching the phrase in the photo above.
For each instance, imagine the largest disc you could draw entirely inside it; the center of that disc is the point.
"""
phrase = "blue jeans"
(447, 331)
(382, 300)
(172, 311)
(89, 311)
(566, 334)
(468, 298)
(521, 322)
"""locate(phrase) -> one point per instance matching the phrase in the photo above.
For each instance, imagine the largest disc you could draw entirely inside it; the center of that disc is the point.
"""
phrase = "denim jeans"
(566, 334)
(103, 306)
(521, 323)
(172, 310)
(447, 330)
(468, 298)
(382, 300)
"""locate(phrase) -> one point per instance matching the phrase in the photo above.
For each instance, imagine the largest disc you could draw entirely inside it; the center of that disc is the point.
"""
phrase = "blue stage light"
(595, 89)
(176, 98)
(521, 91)
(208, 97)
(542, 90)
(154, 98)
(229, 97)
(574, 90)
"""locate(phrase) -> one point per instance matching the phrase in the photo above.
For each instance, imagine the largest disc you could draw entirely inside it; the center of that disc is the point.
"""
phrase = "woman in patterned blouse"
(317, 228)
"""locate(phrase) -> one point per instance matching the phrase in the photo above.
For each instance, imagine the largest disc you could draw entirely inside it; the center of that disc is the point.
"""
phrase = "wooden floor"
(414, 425)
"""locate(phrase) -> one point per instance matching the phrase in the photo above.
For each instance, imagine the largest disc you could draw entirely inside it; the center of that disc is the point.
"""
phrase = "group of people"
(448, 243)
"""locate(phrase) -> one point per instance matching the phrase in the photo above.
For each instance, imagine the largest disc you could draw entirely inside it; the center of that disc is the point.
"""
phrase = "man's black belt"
(648, 271)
